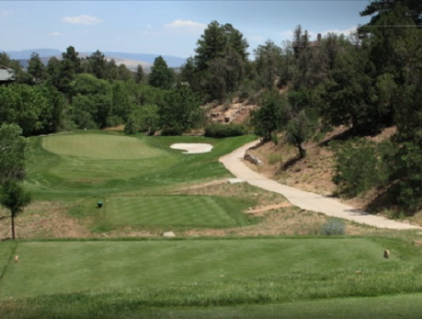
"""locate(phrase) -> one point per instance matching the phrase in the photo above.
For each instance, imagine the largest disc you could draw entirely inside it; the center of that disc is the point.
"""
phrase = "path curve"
(305, 200)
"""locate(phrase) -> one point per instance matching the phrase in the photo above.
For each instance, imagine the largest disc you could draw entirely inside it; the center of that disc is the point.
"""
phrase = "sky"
(165, 27)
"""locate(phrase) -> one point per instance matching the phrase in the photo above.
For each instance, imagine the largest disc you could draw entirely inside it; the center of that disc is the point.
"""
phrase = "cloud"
(6, 13)
(185, 26)
(82, 19)
(55, 34)
(345, 32)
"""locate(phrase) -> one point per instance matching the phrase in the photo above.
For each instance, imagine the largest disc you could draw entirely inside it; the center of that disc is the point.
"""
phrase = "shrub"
(359, 166)
(172, 131)
(333, 227)
(220, 130)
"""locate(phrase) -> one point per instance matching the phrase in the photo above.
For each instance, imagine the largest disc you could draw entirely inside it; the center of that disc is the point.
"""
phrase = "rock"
(169, 234)
(386, 253)
(227, 119)
(250, 158)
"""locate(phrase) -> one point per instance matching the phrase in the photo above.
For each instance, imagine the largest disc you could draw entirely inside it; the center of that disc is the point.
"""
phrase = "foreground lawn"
(216, 269)
(211, 278)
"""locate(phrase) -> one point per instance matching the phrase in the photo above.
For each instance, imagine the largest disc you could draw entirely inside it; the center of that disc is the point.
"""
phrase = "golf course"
(118, 194)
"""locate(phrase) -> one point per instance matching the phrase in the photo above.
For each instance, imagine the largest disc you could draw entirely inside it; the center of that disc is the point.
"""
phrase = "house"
(7, 75)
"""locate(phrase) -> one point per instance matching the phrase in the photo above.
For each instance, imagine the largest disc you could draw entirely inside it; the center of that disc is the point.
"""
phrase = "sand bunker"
(192, 148)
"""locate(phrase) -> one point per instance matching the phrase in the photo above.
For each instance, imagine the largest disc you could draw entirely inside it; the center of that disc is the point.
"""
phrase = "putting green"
(100, 146)
(199, 211)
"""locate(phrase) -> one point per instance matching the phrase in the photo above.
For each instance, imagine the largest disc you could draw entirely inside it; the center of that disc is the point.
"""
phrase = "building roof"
(6, 74)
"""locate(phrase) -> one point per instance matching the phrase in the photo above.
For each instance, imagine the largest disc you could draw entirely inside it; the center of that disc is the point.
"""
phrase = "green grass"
(194, 211)
(100, 146)
(407, 306)
(86, 164)
(275, 269)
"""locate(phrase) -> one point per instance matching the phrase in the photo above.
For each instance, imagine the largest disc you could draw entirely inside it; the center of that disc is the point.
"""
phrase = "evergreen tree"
(161, 76)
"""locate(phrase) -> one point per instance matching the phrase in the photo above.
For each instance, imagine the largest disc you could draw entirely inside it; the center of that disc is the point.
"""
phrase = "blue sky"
(164, 27)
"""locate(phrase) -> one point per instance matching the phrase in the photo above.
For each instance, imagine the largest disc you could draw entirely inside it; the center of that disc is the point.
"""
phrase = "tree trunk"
(302, 151)
(13, 226)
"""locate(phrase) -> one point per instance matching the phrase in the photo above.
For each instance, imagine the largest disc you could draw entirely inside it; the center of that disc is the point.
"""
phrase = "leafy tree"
(161, 76)
(139, 75)
(377, 8)
(36, 69)
(70, 65)
(91, 100)
(97, 65)
(14, 198)
(181, 110)
(12, 170)
(271, 116)
(12, 153)
(124, 74)
(268, 62)
(26, 106)
(350, 93)
(53, 72)
(298, 131)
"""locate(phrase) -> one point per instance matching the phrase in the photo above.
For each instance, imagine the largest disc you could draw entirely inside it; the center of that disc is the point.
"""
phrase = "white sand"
(192, 148)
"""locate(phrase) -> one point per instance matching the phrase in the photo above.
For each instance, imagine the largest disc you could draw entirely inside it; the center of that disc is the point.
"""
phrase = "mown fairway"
(194, 211)
(85, 164)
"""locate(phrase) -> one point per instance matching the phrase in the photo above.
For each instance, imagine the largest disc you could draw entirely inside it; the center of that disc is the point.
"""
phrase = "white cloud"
(82, 19)
(186, 26)
(345, 32)
(55, 34)
(6, 13)
(287, 34)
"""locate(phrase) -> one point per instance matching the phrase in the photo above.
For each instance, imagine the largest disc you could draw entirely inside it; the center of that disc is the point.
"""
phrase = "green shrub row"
(219, 130)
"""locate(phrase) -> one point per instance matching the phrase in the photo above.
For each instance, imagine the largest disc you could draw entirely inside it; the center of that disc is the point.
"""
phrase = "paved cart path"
(305, 200)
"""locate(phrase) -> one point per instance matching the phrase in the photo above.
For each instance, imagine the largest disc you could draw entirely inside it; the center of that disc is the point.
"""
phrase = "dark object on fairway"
(386, 253)
(99, 204)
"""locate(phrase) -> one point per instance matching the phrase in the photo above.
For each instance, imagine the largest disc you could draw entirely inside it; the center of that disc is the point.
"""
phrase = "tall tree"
(268, 61)
(12, 171)
(161, 75)
(97, 65)
(36, 69)
(376, 8)
(139, 75)
(14, 198)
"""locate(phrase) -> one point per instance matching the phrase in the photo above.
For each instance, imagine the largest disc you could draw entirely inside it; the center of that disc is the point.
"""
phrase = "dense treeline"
(367, 81)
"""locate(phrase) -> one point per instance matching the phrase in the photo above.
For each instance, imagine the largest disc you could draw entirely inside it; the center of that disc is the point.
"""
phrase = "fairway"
(199, 211)
(100, 146)
(69, 266)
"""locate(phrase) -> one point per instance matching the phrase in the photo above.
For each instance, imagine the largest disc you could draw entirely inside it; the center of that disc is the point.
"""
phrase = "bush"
(333, 227)
(220, 130)
(172, 131)
(359, 166)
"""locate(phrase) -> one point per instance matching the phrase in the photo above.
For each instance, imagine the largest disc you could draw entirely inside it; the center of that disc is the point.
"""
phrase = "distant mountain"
(172, 61)
(26, 54)
(131, 60)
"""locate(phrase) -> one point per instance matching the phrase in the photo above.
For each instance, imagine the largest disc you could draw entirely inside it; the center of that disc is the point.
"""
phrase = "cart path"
(305, 200)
